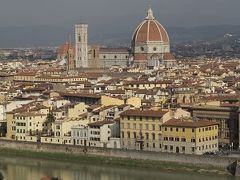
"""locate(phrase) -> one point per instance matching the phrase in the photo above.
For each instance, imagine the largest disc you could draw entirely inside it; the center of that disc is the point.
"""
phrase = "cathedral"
(150, 48)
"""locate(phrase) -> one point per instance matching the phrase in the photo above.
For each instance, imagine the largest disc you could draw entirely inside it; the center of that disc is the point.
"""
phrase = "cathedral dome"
(150, 30)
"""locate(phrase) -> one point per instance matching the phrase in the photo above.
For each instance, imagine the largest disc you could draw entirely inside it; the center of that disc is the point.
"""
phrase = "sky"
(118, 12)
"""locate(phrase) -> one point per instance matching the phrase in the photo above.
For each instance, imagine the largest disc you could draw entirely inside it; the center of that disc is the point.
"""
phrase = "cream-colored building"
(141, 130)
(29, 123)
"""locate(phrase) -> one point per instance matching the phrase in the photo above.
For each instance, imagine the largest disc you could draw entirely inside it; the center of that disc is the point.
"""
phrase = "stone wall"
(131, 154)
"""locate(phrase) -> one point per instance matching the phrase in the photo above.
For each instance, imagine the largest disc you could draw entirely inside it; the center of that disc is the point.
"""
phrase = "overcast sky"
(124, 12)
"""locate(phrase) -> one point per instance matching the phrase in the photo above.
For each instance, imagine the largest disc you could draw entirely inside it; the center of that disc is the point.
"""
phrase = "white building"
(100, 133)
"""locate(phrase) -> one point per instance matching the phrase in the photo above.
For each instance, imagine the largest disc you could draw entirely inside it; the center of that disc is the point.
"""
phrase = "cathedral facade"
(150, 47)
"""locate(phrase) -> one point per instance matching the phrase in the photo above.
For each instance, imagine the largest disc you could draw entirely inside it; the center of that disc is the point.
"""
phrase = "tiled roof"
(146, 113)
(191, 124)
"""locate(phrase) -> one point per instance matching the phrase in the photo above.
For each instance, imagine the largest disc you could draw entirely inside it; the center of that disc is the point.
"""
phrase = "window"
(171, 148)
(153, 136)
(183, 129)
(134, 135)
(128, 133)
(193, 130)
(193, 140)
(153, 127)
(165, 147)
(176, 129)
(153, 145)
(165, 129)
(154, 49)
(171, 129)
(142, 48)
(183, 148)
(147, 136)
(183, 139)
(193, 149)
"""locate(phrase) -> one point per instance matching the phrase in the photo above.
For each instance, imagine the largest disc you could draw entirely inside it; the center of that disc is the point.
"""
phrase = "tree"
(1, 176)
(49, 120)
(3, 129)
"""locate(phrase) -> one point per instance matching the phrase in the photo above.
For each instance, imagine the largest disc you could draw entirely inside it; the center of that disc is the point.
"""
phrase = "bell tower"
(81, 39)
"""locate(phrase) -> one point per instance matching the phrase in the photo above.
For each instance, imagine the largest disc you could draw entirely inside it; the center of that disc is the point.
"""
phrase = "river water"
(33, 169)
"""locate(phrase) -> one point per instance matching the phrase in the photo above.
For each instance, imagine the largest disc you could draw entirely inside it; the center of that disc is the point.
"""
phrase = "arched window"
(142, 48)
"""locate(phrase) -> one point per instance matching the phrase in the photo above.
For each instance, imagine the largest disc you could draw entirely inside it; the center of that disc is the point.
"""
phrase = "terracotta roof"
(168, 56)
(101, 123)
(146, 113)
(150, 30)
(191, 124)
(87, 95)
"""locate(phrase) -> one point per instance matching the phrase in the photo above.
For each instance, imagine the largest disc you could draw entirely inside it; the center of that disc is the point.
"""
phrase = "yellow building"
(77, 110)
(109, 101)
(141, 130)
(189, 137)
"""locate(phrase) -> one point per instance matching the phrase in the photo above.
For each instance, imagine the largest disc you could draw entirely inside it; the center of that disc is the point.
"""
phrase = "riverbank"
(113, 161)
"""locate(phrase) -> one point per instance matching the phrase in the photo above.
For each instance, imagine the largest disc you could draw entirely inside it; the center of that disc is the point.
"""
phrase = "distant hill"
(55, 35)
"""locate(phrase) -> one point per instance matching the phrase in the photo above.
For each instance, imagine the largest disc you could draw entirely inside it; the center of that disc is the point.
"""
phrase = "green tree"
(3, 129)
(1, 176)
(49, 120)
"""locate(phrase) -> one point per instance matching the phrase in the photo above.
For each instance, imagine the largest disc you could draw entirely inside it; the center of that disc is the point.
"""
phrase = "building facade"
(141, 130)
(189, 137)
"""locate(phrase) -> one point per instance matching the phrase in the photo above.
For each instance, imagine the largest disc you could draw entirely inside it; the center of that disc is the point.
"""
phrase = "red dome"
(150, 30)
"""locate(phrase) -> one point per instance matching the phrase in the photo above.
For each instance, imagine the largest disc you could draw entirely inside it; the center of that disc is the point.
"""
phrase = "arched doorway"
(177, 149)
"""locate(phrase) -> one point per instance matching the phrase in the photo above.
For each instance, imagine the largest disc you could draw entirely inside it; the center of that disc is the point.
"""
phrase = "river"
(34, 169)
